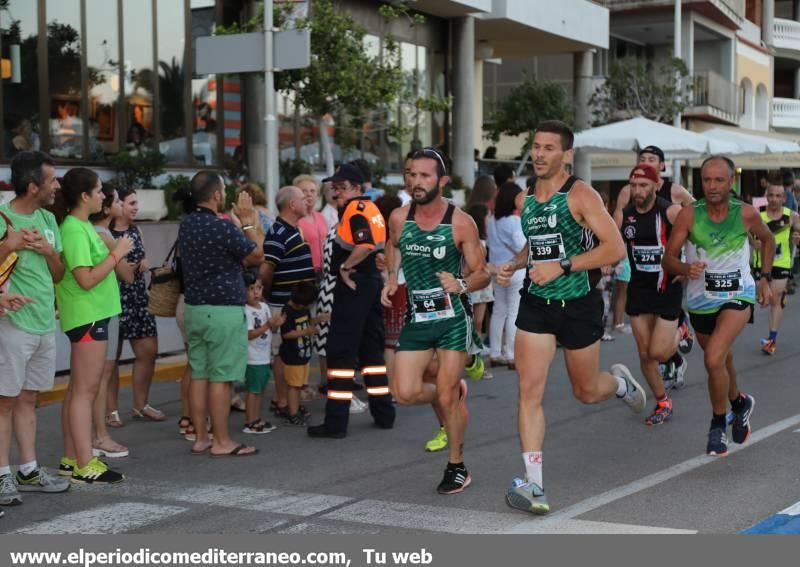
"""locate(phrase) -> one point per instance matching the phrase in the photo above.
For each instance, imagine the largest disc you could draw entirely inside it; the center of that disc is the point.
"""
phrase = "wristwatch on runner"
(566, 265)
(766, 275)
(464, 285)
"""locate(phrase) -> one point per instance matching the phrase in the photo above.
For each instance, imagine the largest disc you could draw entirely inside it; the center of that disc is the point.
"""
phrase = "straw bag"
(10, 261)
(165, 288)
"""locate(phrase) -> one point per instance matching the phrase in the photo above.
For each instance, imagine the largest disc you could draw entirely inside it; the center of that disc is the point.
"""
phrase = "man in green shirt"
(27, 336)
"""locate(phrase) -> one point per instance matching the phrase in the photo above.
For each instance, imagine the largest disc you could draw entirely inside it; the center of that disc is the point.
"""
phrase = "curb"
(163, 373)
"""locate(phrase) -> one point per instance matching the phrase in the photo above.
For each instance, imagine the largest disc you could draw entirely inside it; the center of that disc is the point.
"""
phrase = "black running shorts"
(705, 323)
(576, 323)
(667, 306)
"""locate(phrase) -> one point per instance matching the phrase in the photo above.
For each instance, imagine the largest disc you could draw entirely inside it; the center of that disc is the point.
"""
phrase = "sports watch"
(566, 265)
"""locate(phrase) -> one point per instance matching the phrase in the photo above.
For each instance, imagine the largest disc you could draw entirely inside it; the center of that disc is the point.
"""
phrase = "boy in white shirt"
(259, 354)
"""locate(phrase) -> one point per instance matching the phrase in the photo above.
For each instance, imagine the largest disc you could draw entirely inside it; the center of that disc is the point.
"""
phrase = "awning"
(634, 134)
(754, 143)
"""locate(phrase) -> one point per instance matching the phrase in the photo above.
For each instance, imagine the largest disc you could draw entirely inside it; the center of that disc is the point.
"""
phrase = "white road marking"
(421, 517)
(580, 508)
(258, 499)
(792, 510)
(109, 519)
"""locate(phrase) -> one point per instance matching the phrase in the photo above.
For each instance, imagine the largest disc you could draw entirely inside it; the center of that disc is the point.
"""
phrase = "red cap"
(645, 171)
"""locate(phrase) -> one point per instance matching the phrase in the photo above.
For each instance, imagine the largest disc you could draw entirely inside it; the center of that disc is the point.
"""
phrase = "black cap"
(655, 150)
(346, 172)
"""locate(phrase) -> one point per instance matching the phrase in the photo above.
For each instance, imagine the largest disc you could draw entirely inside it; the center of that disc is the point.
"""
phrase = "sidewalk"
(168, 368)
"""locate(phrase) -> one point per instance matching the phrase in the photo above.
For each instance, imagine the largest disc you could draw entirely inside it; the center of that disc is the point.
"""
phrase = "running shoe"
(740, 429)
(686, 341)
(528, 497)
(717, 442)
(607, 337)
(680, 374)
(2, 513)
(456, 479)
(438, 443)
(9, 495)
(662, 413)
(258, 427)
(768, 347)
(634, 396)
(96, 472)
(669, 374)
(41, 481)
(66, 466)
(476, 368)
(357, 406)
(623, 329)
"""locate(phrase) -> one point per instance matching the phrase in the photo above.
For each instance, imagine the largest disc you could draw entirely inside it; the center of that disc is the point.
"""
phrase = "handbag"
(165, 288)
(9, 262)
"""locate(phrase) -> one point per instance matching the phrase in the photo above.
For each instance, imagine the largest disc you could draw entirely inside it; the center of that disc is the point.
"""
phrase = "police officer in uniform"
(355, 337)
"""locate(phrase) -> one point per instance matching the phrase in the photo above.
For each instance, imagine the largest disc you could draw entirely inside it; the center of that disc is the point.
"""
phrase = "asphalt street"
(604, 470)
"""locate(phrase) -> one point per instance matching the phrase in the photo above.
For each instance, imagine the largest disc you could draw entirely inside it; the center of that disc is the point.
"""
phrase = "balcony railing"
(713, 91)
(786, 34)
(733, 9)
(786, 113)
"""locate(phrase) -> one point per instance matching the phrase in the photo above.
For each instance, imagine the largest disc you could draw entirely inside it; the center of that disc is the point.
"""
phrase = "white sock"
(28, 468)
(5, 470)
(533, 467)
(622, 386)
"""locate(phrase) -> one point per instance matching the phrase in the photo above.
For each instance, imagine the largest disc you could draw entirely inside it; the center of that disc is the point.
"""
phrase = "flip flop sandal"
(236, 452)
(113, 420)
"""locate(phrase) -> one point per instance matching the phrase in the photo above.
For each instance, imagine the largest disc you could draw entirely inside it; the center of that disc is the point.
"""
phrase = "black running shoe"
(456, 479)
(740, 430)
(717, 442)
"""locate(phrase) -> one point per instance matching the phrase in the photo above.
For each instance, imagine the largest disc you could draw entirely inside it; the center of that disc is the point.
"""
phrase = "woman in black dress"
(136, 324)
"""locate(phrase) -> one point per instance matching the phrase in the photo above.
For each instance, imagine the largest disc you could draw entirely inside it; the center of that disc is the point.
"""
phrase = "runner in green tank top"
(432, 239)
(784, 224)
(720, 288)
(561, 216)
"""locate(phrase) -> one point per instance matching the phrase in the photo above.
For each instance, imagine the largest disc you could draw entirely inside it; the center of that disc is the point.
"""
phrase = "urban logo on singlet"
(553, 234)
(423, 254)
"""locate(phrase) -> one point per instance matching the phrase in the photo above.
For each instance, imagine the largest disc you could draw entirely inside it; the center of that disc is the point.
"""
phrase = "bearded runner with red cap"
(654, 298)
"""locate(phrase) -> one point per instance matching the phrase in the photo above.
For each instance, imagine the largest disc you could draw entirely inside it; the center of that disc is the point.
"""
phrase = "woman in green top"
(87, 297)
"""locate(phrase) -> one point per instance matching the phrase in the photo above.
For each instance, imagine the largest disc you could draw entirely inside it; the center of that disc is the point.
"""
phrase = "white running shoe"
(634, 396)
(357, 406)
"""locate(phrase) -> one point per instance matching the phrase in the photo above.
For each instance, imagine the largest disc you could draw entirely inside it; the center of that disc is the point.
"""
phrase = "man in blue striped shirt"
(287, 261)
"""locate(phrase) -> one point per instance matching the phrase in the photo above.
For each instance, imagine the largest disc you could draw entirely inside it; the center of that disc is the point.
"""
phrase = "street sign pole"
(271, 149)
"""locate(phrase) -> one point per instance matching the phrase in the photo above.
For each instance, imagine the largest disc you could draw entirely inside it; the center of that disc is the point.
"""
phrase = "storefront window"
(18, 41)
(64, 63)
(171, 77)
(204, 96)
(102, 58)
(137, 17)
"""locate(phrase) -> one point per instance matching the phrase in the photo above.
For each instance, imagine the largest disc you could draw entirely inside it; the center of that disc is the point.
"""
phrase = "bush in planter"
(174, 184)
(136, 170)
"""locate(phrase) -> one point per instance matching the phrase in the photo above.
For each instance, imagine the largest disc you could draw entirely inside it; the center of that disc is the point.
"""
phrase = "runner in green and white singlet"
(721, 290)
(432, 240)
(561, 216)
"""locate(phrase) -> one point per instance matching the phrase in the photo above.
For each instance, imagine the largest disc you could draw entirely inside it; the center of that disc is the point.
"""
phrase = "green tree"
(636, 88)
(526, 106)
(343, 79)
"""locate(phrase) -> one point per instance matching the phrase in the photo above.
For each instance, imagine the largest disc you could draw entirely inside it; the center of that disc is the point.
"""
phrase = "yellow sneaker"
(438, 443)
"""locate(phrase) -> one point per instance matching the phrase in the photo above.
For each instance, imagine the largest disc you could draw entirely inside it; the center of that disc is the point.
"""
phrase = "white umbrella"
(637, 133)
(753, 143)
